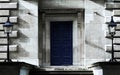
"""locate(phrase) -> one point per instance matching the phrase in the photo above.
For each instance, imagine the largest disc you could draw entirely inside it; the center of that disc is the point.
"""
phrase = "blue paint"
(61, 43)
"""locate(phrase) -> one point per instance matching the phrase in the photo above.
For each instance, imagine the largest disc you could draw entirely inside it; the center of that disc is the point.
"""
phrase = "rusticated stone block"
(116, 0)
(108, 48)
(118, 27)
(3, 41)
(112, 5)
(116, 35)
(4, 12)
(13, 34)
(1, 26)
(12, 48)
(116, 40)
(116, 12)
(3, 55)
(12, 19)
(8, 5)
(4, 0)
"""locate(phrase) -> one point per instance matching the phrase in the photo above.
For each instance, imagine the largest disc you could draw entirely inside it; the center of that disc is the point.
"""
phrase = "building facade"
(59, 33)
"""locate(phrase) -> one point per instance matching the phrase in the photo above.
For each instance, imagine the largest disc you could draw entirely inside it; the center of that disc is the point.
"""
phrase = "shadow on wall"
(21, 52)
(22, 37)
(36, 1)
(93, 45)
(32, 0)
(23, 24)
(101, 2)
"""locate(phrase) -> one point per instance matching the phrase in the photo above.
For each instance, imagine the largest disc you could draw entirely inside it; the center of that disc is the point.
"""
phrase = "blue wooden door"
(61, 43)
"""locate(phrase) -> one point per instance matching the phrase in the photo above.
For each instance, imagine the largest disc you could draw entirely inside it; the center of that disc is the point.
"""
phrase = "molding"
(60, 11)
(56, 13)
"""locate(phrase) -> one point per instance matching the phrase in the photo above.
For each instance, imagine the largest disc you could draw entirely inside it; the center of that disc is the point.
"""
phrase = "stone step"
(35, 72)
(112, 5)
(11, 5)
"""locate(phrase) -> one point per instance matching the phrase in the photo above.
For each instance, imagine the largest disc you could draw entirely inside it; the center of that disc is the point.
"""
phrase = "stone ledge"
(64, 68)
(41, 71)
(17, 64)
(106, 68)
(103, 64)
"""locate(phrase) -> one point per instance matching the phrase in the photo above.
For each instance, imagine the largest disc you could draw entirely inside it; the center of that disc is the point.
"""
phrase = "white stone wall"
(94, 23)
(28, 32)
(24, 38)
(95, 32)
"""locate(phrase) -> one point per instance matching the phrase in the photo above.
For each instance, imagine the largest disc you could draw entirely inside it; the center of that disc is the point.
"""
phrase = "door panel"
(61, 43)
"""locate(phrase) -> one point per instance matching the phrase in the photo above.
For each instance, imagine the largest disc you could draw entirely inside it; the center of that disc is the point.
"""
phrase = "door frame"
(76, 16)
